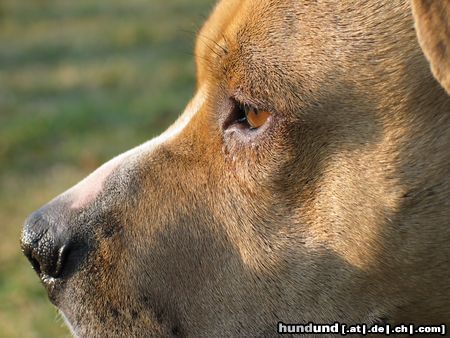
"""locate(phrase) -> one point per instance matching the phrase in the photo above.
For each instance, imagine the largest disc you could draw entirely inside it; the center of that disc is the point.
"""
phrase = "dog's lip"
(53, 286)
(49, 280)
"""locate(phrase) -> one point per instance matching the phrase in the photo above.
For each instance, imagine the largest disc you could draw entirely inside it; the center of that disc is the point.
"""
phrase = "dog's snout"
(40, 243)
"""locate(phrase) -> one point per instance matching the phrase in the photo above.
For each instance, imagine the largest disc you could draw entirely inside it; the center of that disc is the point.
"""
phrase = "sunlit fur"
(337, 209)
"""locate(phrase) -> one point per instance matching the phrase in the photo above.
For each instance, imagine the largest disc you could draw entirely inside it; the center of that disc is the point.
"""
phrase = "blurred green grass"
(80, 82)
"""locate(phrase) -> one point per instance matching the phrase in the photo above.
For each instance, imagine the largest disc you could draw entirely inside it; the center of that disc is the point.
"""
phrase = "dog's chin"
(79, 323)
(89, 315)
(84, 328)
(72, 329)
(56, 291)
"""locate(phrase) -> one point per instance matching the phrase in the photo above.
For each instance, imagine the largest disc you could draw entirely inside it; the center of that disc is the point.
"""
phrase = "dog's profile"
(308, 180)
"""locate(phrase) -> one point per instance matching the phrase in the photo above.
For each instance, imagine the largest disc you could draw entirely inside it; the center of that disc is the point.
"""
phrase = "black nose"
(44, 247)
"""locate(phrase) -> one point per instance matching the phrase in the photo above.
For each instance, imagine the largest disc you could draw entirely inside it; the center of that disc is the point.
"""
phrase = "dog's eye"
(251, 116)
(256, 118)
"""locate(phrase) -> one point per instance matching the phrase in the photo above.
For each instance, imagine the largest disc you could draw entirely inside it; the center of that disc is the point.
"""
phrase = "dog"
(308, 181)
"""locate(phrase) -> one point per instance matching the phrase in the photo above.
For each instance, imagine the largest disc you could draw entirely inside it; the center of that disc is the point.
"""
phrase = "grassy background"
(80, 81)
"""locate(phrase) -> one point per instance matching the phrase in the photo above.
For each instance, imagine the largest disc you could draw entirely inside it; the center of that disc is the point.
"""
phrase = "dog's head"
(307, 180)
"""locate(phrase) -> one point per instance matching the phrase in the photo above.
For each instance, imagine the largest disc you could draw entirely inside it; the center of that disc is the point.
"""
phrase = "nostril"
(47, 257)
(55, 248)
(61, 258)
(27, 251)
(36, 266)
(28, 242)
(46, 252)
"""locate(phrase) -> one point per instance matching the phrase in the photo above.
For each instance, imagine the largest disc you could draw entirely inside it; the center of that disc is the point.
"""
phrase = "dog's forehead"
(258, 50)
(268, 47)
(240, 22)
(271, 23)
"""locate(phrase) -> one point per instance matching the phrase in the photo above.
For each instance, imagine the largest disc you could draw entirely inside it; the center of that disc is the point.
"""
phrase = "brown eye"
(245, 117)
(256, 118)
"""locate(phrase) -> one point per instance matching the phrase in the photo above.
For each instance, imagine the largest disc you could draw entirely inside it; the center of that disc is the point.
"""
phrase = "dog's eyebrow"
(219, 49)
(222, 45)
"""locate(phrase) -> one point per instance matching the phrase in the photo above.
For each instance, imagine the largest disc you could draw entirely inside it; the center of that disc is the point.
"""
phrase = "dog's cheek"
(252, 160)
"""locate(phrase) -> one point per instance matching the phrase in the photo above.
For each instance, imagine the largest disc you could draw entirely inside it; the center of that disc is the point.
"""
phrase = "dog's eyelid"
(244, 100)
